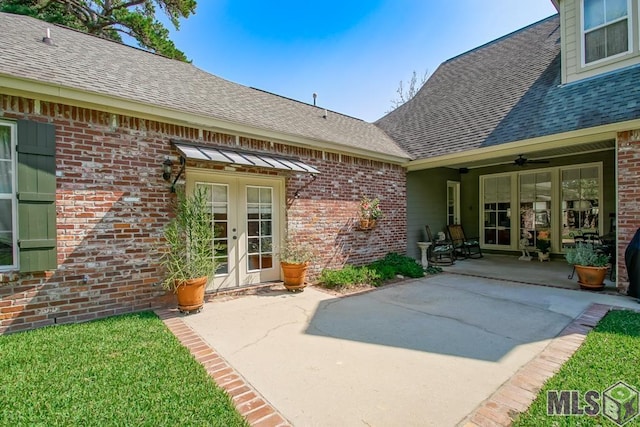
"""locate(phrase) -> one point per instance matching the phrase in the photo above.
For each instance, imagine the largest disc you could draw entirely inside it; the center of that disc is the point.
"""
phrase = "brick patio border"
(518, 392)
(252, 406)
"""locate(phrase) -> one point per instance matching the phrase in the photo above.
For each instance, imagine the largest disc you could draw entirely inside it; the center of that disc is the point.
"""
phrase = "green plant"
(403, 265)
(294, 252)
(586, 254)
(189, 237)
(349, 276)
(433, 269)
(543, 245)
(370, 208)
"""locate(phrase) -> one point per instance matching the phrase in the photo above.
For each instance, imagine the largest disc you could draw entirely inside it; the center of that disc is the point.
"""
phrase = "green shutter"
(36, 196)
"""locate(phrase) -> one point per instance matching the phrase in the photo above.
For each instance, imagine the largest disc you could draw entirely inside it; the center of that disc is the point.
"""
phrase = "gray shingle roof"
(505, 91)
(91, 64)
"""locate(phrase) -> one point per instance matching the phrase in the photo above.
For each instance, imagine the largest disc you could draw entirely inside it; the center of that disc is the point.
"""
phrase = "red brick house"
(534, 134)
(85, 127)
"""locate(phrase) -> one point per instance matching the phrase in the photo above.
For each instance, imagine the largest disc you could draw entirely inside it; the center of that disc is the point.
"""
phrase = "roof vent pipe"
(315, 95)
(47, 39)
(324, 115)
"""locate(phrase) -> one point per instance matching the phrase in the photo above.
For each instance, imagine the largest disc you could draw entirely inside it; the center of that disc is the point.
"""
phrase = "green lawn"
(610, 353)
(121, 371)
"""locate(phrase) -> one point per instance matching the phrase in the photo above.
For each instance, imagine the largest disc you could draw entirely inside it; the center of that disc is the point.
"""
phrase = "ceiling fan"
(521, 161)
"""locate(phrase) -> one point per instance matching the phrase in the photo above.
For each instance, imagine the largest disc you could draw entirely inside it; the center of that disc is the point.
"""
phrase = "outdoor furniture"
(440, 252)
(463, 246)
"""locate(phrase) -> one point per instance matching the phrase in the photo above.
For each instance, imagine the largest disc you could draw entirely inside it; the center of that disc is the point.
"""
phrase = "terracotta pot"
(367, 224)
(293, 275)
(190, 294)
(591, 278)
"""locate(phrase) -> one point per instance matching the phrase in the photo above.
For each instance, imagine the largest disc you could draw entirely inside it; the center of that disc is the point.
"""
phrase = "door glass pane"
(535, 207)
(218, 203)
(260, 210)
(497, 210)
(580, 202)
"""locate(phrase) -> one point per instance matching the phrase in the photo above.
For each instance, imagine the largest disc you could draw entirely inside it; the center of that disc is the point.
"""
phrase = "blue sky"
(353, 54)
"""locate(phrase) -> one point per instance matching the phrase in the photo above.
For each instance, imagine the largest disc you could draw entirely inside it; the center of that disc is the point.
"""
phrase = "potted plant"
(590, 264)
(544, 247)
(294, 260)
(189, 256)
(370, 212)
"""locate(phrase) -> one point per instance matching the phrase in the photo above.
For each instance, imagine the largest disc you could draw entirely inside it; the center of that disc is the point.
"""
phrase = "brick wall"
(628, 197)
(112, 204)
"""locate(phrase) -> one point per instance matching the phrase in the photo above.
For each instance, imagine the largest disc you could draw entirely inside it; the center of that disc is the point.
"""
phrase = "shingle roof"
(95, 65)
(505, 91)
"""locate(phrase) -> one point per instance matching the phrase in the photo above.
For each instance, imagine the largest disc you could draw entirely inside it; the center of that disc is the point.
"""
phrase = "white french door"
(247, 222)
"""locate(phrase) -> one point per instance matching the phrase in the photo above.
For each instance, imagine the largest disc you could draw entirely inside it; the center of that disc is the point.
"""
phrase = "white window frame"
(630, 38)
(13, 131)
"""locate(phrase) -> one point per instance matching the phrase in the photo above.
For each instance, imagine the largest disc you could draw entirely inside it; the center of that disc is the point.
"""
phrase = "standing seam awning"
(242, 158)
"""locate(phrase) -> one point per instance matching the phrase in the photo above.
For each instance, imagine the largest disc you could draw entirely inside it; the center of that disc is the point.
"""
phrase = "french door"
(247, 222)
(551, 203)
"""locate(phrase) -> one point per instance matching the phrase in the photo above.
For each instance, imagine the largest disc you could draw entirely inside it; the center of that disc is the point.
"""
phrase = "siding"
(427, 193)
(572, 69)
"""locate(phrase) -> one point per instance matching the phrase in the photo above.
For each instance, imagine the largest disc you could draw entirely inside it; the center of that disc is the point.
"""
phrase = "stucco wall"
(112, 205)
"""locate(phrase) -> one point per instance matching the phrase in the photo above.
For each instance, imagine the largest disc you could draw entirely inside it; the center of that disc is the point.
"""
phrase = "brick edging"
(519, 391)
(252, 405)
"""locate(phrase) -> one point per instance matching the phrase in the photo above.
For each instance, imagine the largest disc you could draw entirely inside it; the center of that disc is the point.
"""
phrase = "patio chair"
(440, 252)
(463, 246)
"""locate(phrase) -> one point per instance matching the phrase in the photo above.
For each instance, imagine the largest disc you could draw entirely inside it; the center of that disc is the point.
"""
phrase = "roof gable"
(505, 91)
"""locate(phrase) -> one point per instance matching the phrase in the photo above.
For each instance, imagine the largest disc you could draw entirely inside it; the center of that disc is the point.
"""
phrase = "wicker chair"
(463, 246)
(440, 252)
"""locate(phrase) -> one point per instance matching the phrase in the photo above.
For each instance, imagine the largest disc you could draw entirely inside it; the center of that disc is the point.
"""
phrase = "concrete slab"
(423, 353)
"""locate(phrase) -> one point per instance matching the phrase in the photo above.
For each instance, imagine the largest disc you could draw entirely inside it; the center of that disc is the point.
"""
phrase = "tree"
(111, 19)
(406, 94)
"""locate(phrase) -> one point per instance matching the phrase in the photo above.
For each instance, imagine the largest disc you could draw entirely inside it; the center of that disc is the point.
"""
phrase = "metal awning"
(241, 158)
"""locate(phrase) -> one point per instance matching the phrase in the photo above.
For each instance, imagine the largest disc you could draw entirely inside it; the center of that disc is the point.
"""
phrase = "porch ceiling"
(504, 157)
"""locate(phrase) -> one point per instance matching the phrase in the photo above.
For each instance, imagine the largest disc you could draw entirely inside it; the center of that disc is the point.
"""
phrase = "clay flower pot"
(294, 275)
(591, 278)
(190, 294)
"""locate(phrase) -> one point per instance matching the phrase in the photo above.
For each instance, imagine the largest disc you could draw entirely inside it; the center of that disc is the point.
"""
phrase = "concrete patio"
(424, 352)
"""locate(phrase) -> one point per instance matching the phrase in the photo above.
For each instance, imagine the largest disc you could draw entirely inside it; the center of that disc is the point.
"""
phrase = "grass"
(610, 353)
(120, 371)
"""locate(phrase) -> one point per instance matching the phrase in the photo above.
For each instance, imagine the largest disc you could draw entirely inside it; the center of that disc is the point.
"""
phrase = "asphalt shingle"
(505, 91)
(99, 66)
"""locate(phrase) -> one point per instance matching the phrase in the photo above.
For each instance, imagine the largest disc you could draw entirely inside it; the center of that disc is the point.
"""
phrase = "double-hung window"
(605, 29)
(8, 238)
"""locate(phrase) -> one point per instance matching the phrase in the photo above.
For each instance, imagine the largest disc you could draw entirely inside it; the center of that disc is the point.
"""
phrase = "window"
(605, 28)
(8, 240)
(580, 202)
(497, 210)
(27, 196)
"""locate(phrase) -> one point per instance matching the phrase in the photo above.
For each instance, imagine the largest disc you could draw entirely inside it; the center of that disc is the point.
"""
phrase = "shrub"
(349, 276)
(403, 265)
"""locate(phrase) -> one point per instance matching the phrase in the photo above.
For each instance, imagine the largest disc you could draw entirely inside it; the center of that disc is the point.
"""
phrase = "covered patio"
(554, 273)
